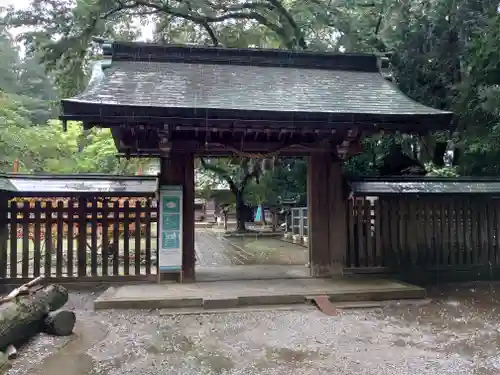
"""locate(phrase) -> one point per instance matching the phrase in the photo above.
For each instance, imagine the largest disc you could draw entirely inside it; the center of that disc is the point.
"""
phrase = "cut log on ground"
(22, 318)
(23, 289)
(11, 352)
(59, 323)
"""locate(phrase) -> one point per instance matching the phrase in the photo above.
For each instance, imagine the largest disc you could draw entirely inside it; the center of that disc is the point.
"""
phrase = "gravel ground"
(457, 332)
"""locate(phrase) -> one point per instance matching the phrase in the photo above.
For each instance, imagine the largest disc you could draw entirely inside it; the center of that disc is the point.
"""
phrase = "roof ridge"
(138, 51)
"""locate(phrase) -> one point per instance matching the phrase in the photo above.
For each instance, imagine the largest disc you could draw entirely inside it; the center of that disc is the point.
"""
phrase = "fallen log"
(21, 318)
(59, 323)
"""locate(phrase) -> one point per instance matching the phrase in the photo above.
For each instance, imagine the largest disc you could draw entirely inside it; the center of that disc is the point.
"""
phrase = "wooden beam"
(285, 147)
(372, 123)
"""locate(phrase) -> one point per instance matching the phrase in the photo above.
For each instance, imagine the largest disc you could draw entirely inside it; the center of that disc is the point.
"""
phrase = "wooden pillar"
(178, 169)
(327, 214)
(338, 214)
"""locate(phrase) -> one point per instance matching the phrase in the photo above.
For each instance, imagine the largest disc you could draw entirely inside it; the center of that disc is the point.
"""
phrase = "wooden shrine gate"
(246, 104)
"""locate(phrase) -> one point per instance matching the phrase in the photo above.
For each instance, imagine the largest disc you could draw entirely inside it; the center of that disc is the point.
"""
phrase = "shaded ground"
(456, 333)
(212, 250)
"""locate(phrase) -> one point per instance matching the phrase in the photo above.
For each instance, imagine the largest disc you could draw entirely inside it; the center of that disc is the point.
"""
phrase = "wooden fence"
(433, 233)
(94, 239)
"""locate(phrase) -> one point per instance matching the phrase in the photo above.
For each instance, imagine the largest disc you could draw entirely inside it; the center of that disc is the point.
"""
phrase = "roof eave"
(91, 112)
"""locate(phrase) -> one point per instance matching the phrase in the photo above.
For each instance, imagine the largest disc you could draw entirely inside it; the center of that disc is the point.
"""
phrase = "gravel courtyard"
(456, 332)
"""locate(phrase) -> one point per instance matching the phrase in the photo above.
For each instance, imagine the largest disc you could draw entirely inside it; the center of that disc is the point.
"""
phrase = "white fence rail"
(299, 223)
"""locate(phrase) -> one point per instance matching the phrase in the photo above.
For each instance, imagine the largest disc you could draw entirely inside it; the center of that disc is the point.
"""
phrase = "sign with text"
(170, 229)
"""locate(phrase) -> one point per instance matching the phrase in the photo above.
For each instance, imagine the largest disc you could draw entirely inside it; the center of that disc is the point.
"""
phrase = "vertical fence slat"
(402, 223)
(93, 237)
(440, 214)
(116, 236)
(451, 231)
(138, 235)
(413, 232)
(147, 217)
(445, 220)
(13, 239)
(367, 215)
(386, 232)
(475, 233)
(82, 237)
(467, 231)
(48, 239)
(25, 266)
(378, 233)
(483, 231)
(59, 238)
(360, 243)
(459, 231)
(426, 231)
(393, 216)
(436, 239)
(126, 237)
(351, 234)
(4, 236)
(105, 237)
(71, 237)
(497, 232)
(490, 207)
(37, 239)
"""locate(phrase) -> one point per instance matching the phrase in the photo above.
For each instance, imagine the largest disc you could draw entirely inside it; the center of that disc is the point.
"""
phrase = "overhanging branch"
(299, 35)
(244, 11)
(221, 173)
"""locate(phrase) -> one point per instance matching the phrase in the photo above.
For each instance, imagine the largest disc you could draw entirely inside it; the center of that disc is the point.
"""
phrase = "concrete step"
(231, 294)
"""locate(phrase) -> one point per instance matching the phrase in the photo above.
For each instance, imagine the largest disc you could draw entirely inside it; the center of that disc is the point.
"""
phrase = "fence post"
(301, 222)
(4, 233)
(305, 228)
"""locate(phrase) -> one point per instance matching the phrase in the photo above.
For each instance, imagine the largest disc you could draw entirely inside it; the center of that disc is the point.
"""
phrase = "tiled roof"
(179, 85)
(207, 79)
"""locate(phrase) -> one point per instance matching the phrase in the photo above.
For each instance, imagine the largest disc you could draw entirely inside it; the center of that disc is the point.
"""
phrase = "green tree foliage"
(25, 83)
(46, 148)
(28, 133)
(285, 180)
(237, 174)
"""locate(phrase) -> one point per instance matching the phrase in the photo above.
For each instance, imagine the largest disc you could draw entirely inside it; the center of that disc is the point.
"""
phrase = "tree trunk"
(21, 319)
(59, 323)
(240, 213)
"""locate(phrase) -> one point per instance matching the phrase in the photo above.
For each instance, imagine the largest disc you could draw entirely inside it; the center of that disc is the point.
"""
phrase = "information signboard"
(170, 229)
